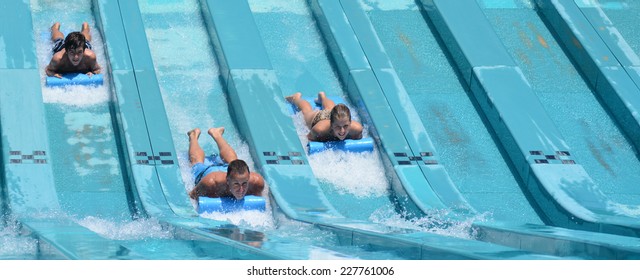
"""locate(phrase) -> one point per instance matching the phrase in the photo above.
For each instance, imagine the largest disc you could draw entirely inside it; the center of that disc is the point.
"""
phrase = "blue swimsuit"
(211, 163)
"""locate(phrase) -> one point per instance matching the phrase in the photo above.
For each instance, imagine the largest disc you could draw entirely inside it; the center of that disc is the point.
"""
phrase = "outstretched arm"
(93, 63)
(196, 192)
(96, 69)
(50, 70)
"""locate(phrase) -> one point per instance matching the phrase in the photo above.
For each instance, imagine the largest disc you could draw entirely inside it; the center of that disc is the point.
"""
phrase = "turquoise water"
(14, 245)
(624, 15)
(464, 143)
(593, 136)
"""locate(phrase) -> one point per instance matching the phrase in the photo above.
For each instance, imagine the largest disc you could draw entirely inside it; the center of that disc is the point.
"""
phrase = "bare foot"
(292, 98)
(55, 27)
(321, 96)
(86, 31)
(194, 133)
(216, 131)
(85, 27)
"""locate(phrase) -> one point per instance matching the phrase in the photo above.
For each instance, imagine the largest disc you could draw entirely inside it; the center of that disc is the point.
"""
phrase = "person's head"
(340, 121)
(74, 46)
(238, 178)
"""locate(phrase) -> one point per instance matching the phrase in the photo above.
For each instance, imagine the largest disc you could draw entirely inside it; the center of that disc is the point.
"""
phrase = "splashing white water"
(359, 174)
(129, 230)
(438, 222)
(15, 245)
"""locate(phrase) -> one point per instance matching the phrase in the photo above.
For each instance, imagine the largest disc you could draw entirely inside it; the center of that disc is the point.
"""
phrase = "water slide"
(470, 45)
(134, 125)
(257, 99)
(443, 104)
(593, 118)
(70, 210)
(167, 77)
(67, 209)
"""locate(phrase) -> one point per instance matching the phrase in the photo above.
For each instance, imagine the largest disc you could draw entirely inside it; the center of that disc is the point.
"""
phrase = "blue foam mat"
(75, 79)
(229, 204)
(349, 145)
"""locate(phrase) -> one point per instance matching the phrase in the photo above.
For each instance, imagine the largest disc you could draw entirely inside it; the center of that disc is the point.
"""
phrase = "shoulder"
(212, 185)
(214, 178)
(89, 53)
(256, 184)
(319, 131)
(322, 126)
(57, 57)
(356, 130)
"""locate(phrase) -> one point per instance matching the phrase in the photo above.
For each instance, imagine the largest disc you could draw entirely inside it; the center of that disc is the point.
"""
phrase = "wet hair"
(74, 40)
(338, 112)
(236, 167)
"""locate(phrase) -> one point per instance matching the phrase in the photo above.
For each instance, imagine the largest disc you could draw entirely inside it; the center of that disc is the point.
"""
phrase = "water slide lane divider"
(254, 91)
(604, 57)
(165, 160)
(130, 117)
(560, 186)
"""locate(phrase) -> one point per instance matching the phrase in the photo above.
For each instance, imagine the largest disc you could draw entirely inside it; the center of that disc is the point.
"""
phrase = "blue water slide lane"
(604, 57)
(424, 152)
(160, 187)
(500, 232)
(559, 185)
(27, 175)
(144, 129)
(253, 91)
(405, 144)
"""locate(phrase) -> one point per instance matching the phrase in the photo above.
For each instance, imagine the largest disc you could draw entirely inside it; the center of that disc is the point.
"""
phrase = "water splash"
(359, 174)
(439, 222)
(14, 244)
(255, 220)
(127, 230)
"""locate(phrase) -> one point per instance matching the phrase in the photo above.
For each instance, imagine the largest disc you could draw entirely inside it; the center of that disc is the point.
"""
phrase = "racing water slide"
(485, 179)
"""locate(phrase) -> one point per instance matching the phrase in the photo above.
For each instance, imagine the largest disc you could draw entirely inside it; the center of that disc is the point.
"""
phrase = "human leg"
(55, 32)
(226, 152)
(327, 104)
(57, 38)
(196, 154)
(307, 111)
(86, 31)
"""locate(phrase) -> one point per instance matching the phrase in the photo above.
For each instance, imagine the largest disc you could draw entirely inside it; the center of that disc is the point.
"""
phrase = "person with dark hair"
(332, 123)
(72, 54)
(237, 182)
